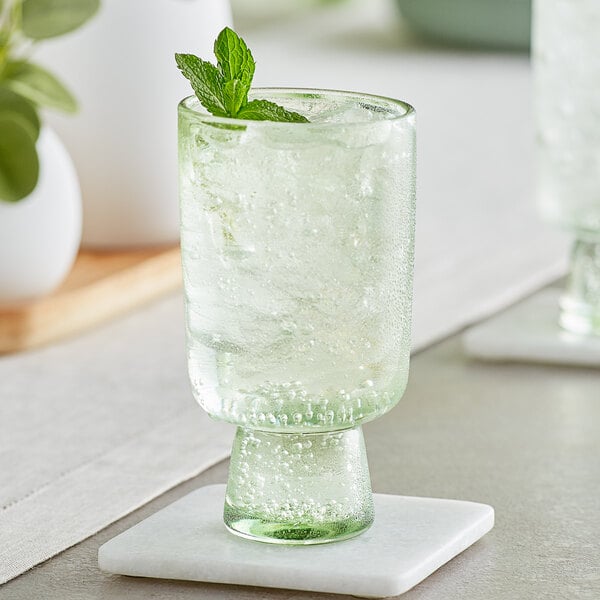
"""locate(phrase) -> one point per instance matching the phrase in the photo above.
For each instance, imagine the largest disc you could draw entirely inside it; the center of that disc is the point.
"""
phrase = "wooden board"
(101, 285)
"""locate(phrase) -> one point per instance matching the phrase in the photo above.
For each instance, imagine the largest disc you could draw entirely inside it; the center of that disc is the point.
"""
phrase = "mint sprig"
(206, 80)
(223, 89)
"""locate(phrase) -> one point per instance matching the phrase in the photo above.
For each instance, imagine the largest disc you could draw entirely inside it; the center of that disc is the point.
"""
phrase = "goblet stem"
(580, 304)
(298, 488)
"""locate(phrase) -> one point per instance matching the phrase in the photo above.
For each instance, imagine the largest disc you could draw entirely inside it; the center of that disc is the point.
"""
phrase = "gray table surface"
(523, 438)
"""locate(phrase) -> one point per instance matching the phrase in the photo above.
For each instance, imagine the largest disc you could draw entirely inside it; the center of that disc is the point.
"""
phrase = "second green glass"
(297, 244)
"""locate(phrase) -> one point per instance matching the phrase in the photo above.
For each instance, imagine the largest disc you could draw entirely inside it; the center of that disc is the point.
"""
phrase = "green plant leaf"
(15, 103)
(39, 86)
(206, 81)
(19, 165)
(44, 19)
(235, 95)
(263, 110)
(234, 58)
(223, 90)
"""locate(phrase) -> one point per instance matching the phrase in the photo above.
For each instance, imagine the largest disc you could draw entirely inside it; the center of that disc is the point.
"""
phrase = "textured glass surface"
(580, 304)
(299, 488)
(566, 57)
(297, 247)
(566, 53)
(297, 254)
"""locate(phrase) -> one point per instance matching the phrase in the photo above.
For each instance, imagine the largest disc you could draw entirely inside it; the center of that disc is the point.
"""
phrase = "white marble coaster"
(529, 332)
(410, 539)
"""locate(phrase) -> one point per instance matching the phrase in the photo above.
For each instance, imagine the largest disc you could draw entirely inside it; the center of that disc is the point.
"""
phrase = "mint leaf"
(263, 110)
(235, 95)
(234, 58)
(207, 82)
(236, 64)
(223, 90)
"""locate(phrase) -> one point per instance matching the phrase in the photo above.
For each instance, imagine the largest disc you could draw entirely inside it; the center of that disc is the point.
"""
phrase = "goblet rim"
(393, 109)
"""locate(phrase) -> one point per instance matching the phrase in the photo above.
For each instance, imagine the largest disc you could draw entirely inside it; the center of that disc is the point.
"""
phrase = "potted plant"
(40, 202)
(124, 139)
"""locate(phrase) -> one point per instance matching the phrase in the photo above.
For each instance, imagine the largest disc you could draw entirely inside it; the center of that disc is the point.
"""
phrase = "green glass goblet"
(566, 51)
(297, 244)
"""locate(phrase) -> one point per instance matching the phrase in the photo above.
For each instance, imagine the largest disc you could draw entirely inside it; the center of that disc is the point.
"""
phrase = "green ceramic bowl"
(476, 23)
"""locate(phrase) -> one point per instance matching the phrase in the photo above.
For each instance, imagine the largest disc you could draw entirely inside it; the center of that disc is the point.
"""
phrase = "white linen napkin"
(93, 428)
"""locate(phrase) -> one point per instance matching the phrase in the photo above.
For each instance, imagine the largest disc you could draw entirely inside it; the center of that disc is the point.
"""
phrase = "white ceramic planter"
(122, 69)
(40, 235)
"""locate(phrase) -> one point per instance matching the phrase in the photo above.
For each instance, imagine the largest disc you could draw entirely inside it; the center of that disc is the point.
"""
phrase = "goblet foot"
(580, 304)
(298, 488)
